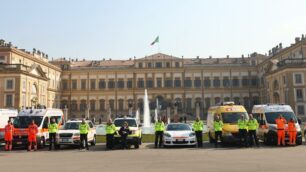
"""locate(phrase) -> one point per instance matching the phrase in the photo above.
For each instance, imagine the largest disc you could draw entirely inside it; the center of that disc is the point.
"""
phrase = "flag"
(155, 41)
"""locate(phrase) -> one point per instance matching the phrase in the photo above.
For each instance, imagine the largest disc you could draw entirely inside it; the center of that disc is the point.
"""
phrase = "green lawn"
(146, 138)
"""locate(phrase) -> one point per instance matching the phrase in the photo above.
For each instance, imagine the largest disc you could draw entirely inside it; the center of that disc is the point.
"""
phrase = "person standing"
(124, 132)
(280, 125)
(198, 129)
(84, 129)
(252, 127)
(159, 132)
(292, 132)
(52, 129)
(110, 129)
(8, 135)
(218, 125)
(32, 131)
(243, 133)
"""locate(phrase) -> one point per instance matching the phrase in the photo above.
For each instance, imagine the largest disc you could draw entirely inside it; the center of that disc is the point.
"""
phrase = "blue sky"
(96, 29)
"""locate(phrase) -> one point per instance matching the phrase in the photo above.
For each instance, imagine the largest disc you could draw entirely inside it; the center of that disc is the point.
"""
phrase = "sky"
(120, 29)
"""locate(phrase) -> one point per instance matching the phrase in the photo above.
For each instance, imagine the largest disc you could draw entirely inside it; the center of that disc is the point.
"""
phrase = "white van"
(266, 115)
(42, 119)
(5, 115)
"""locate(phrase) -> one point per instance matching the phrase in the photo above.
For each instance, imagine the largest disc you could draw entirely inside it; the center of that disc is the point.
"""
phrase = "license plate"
(65, 140)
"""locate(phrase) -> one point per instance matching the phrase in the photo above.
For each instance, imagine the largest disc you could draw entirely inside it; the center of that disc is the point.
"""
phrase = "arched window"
(121, 104)
(102, 104)
(74, 105)
(83, 105)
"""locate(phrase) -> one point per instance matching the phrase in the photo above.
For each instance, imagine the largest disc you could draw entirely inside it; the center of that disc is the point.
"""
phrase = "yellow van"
(229, 113)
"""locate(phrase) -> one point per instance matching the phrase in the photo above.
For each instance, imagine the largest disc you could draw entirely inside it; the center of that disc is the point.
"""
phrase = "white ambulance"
(266, 115)
(5, 115)
(42, 118)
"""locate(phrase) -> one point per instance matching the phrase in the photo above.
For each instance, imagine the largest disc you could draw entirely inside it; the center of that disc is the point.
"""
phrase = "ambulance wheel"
(136, 145)
(93, 143)
(299, 141)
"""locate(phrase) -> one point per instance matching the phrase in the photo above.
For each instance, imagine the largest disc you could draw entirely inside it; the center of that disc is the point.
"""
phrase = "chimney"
(227, 56)
(110, 59)
(83, 60)
(242, 56)
(198, 57)
(280, 46)
(303, 37)
(297, 39)
(210, 57)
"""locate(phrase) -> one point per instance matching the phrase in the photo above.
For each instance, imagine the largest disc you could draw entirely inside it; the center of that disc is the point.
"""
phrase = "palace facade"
(181, 86)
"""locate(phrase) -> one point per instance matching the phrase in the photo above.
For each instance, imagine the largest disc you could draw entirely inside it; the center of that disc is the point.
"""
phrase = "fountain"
(155, 116)
(137, 116)
(147, 128)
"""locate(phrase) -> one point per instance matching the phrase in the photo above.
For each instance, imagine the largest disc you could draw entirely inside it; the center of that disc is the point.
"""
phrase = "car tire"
(136, 146)
(41, 142)
(93, 143)
(299, 141)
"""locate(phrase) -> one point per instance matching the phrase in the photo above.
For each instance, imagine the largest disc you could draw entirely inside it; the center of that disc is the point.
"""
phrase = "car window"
(131, 122)
(90, 124)
(178, 127)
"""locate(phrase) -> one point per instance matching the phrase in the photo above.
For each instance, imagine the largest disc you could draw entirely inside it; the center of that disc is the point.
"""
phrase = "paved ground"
(147, 159)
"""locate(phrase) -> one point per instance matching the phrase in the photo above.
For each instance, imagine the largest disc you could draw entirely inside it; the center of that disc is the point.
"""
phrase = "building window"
(64, 84)
(121, 103)
(129, 83)
(102, 84)
(9, 100)
(74, 84)
(197, 82)
(254, 81)
(111, 84)
(150, 83)
(102, 105)
(92, 105)
(168, 65)
(298, 78)
(139, 65)
(207, 102)
(207, 82)
(158, 65)
(245, 81)
(9, 84)
(149, 65)
(83, 84)
(159, 83)
(235, 82)
(299, 94)
(284, 80)
(120, 83)
(300, 110)
(74, 105)
(140, 83)
(177, 82)
(237, 100)
(83, 105)
(188, 82)
(168, 83)
(93, 84)
(226, 82)
(216, 82)
(177, 64)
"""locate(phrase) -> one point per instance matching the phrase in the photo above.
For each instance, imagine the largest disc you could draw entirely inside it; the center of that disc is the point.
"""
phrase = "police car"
(69, 134)
(135, 137)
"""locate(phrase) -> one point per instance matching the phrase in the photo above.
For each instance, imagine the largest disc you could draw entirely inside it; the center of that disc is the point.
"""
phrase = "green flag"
(155, 41)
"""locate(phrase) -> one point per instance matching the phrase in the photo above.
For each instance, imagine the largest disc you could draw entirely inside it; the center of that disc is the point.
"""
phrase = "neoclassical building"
(182, 86)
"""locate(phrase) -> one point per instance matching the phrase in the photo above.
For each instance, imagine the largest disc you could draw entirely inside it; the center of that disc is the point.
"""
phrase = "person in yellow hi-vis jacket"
(218, 125)
(252, 127)
(52, 129)
(84, 129)
(159, 132)
(198, 129)
(243, 131)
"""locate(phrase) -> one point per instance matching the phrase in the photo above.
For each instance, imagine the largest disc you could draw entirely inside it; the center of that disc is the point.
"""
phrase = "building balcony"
(292, 62)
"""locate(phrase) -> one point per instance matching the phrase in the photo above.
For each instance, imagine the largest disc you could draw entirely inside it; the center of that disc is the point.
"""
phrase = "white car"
(69, 134)
(179, 134)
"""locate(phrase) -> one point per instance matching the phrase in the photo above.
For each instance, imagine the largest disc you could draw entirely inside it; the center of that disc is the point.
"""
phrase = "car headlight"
(191, 134)
(167, 135)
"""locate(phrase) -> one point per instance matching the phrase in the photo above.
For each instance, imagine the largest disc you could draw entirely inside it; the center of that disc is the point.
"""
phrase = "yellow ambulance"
(229, 113)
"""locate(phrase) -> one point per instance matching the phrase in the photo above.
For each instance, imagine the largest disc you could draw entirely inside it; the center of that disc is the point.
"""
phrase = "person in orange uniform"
(8, 136)
(292, 132)
(280, 122)
(32, 131)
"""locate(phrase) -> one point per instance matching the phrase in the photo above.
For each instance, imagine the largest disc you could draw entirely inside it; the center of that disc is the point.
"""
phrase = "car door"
(90, 133)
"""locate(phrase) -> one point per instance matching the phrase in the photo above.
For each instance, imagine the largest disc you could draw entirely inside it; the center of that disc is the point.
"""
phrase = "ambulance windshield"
(271, 116)
(232, 117)
(25, 121)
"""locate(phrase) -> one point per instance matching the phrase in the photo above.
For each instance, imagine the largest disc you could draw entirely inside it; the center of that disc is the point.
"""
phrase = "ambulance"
(266, 115)
(5, 115)
(42, 118)
(229, 113)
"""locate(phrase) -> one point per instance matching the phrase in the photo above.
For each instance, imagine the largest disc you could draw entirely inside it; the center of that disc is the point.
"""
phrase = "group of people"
(110, 130)
(33, 130)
